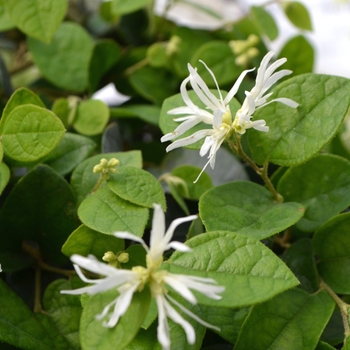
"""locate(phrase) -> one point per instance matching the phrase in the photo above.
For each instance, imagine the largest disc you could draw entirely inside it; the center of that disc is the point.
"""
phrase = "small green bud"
(113, 162)
(123, 257)
(109, 257)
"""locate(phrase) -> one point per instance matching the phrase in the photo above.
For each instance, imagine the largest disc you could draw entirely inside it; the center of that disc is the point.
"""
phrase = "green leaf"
(145, 339)
(168, 125)
(310, 185)
(5, 21)
(324, 102)
(147, 113)
(292, 320)
(298, 14)
(218, 56)
(137, 186)
(65, 61)
(18, 325)
(70, 152)
(37, 18)
(91, 118)
(153, 84)
(30, 132)
(94, 336)
(83, 179)
(189, 174)
(105, 212)
(11, 261)
(250, 272)
(331, 243)
(40, 208)
(105, 55)
(4, 176)
(64, 310)
(229, 321)
(191, 41)
(246, 208)
(58, 339)
(21, 96)
(122, 7)
(61, 108)
(324, 346)
(301, 260)
(85, 241)
(264, 22)
(300, 55)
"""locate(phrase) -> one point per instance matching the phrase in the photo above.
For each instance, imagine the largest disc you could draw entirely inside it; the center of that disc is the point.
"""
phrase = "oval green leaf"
(85, 241)
(96, 337)
(21, 96)
(250, 272)
(137, 186)
(45, 205)
(4, 175)
(70, 152)
(219, 57)
(37, 18)
(246, 208)
(292, 320)
(65, 61)
(83, 179)
(297, 135)
(332, 245)
(321, 185)
(298, 14)
(91, 117)
(264, 22)
(105, 212)
(31, 132)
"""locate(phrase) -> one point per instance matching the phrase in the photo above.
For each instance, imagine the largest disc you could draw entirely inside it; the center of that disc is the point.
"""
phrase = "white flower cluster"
(217, 113)
(127, 282)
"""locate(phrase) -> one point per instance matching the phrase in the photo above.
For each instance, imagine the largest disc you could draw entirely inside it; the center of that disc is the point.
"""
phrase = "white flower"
(127, 282)
(256, 98)
(217, 113)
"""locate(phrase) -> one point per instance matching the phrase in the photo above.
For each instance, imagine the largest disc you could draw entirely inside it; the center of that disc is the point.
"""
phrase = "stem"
(269, 185)
(47, 267)
(98, 184)
(262, 172)
(40, 264)
(136, 67)
(341, 304)
(37, 299)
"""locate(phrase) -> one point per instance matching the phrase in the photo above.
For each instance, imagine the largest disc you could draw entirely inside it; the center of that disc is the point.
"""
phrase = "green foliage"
(292, 320)
(300, 55)
(323, 103)
(83, 180)
(309, 185)
(331, 243)
(65, 61)
(251, 211)
(298, 14)
(85, 241)
(137, 186)
(18, 325)
(264, 22)
(106, 212)
(63, 310)
(45, 203)
(37, 18)
(93, 336)
(91, 117)
(62, 195)
(218, 56)
(234, 261)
